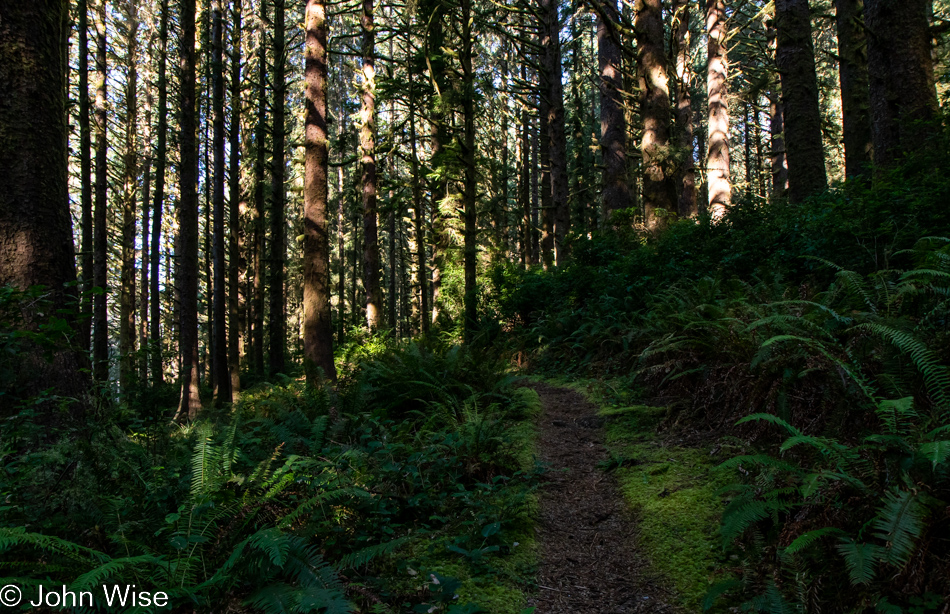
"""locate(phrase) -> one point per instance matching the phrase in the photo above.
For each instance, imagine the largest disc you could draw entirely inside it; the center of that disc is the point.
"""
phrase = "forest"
(542, 306)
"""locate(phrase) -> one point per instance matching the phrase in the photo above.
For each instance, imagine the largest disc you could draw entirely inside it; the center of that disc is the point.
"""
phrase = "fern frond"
(742, 513)
(770, 418)
(899, 522)
(362, 557)
(937, 452)
(861, 560)
(274, 543)
(935, 375)
(18, 536)
(204, 462)
(111, 569)
(806, 539)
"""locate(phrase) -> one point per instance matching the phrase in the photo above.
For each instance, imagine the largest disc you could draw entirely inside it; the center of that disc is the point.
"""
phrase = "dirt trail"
(587, 539)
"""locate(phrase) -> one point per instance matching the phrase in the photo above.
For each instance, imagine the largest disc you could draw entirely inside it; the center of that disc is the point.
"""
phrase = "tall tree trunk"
(36, 240)
(257, 230)
(100, 316)
(222, 375)
(235, 205)
(343, 137)
(318, 331)
(556, 136)
(659, 191)
(146, 215)
(158, 377)
(207, 370)
(190, 401)
(795, 59)
(502, 217)
(759, 172)
(685, 177)
(469, 195)
(368, 166)
(129, 197)
(777, 132)
(717, 155)
(418, 205)
(579, 185)
(435, 16)
(544, 158)
(855, 97)
(278, 252)
(524, 180)
(613, 126)
(85, 174)
(902, 95)
(393, 291)
(535, 191)
(747, 147)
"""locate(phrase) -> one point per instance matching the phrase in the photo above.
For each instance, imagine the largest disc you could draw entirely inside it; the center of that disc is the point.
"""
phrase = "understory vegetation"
(806, 347)
(408, 487)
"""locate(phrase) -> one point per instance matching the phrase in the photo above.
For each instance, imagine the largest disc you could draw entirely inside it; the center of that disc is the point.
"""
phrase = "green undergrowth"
(670, 485)
(407, 487)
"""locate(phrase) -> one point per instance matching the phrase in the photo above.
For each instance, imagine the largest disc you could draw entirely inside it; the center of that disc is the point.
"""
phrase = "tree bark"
(278, 254)
(855, 96)
(36, 241)
(190, 401)
(469, 194)
(85, 173)
(146, 216)
(717, 155)
(222, 376)
(556, 136)
(100, 316)
(546, 211)
(777, 132)
(235, 205)
(524, 180)
(418, 205)
(318, 331)
(368, 165)
(155, 351)
(129, 197)
(613, 126)
(795, 59)
(257, 231)
(902, 95)
(685, 178)
(659, 191)
(434, 14)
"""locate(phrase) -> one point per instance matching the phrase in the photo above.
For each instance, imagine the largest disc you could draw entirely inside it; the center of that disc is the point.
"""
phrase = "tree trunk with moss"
(190, 401)
(278, 254)
(36, 241)
(685, 177)
(717, 153)
(902, 94)
(853, 75)
(795, 59)
(613, 126)
(368, 166)
(100, 311)
(318, 331)
(659, 191)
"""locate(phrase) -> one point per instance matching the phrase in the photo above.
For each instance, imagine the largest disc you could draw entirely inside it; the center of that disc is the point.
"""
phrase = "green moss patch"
(670, 487)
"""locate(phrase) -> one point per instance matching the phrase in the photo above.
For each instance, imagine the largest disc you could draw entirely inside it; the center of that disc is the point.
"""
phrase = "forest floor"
(589, 557)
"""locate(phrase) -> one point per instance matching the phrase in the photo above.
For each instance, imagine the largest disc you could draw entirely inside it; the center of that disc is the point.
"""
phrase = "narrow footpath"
(588, 552)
